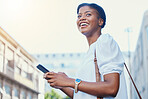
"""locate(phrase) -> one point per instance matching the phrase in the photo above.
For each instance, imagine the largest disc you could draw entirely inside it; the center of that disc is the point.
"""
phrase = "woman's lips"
(83, 24)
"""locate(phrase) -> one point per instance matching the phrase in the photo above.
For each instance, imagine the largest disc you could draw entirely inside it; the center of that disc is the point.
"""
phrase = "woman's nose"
(82, 18)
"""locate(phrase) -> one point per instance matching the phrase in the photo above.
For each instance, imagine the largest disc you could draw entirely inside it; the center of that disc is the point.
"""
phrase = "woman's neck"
(93, 38)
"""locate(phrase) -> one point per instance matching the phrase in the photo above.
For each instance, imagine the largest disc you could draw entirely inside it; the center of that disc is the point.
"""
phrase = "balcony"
(9, 71)
(24, 81)
(10, 68)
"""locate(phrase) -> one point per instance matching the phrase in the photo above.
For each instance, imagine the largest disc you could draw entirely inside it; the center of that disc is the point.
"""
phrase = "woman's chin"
(84, 33)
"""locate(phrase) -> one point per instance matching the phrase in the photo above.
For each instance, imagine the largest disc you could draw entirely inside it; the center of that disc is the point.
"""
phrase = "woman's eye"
(88, 14)
(79, 16)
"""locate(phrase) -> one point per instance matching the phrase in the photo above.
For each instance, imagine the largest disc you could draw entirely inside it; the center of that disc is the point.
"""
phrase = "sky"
(49, 26)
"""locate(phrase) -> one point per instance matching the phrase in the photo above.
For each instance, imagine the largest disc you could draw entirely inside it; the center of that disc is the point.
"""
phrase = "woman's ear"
(101, 21)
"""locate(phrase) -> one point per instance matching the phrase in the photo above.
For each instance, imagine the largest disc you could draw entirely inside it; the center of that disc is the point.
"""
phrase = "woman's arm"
(68, 91)
(108, 87)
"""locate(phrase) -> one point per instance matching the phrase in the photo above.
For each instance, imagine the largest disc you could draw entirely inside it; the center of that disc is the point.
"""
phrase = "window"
(18, 60)
(78, 54)
(24, 74)
(24, 68)
(7, 89)
(29, 96)
(9, 54)
(1, 48)
(16, 92)
(0, 84)
(18, 70)
(46, 55)
(147, 32)
(23, 95)
(38, 56)
(62, 65)
(9, 57)
(53, 55)
(36, 82)
(10, 63)
(35, 96)
(63, 55)
(1, 63)
(141, 49)
(30, 73)
(71, 55)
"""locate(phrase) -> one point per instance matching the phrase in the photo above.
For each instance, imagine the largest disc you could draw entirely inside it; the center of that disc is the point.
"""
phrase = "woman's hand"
(58, 80)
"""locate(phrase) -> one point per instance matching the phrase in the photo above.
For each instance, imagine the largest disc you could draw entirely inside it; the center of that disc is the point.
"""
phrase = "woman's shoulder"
(105, 38)
(107, 45)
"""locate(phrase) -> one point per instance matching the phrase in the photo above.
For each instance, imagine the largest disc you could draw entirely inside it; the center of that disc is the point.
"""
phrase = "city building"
(19, 78)
(139, 65)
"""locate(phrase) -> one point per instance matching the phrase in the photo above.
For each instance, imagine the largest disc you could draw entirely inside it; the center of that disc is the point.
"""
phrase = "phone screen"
(42, 68)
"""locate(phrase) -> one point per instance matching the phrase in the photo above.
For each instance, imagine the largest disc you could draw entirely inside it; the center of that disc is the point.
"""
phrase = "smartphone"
(42, 68)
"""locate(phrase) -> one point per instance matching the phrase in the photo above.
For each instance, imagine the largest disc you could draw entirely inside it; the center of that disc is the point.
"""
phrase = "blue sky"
(49, 26)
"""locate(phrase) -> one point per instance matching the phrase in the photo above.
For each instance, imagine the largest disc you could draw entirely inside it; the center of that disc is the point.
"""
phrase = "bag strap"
(133, 82)
(98, 78)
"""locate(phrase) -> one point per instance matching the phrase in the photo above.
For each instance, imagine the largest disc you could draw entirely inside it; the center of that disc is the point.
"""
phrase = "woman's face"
(87, 21)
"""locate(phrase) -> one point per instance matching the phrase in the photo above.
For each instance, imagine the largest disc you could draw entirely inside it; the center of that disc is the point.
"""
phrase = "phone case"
(42, 68)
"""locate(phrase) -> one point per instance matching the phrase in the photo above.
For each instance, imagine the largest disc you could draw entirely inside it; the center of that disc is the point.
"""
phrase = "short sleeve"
(109, 56)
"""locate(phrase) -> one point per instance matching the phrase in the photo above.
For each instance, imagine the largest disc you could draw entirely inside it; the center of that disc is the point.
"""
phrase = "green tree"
(52, 95)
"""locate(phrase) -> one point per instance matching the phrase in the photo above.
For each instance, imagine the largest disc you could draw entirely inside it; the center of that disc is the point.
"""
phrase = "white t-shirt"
(109, 60)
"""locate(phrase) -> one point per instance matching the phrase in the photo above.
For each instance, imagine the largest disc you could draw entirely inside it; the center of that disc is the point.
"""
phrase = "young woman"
(91, 19)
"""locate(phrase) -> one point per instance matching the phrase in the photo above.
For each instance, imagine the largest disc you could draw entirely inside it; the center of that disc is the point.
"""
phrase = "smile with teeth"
(83, 24)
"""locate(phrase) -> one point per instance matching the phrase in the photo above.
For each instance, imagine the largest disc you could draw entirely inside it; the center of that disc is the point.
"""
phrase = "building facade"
(139, 65)
(19, 78)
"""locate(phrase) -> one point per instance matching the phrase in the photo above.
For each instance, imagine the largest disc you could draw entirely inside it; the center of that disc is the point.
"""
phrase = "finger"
(50, 80)
(47, 74)
(44, 76)
(51, 84)
(48, 77)
(50, 73)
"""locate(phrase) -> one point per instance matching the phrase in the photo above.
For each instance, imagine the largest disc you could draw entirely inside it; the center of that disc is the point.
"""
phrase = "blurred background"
(35, 31)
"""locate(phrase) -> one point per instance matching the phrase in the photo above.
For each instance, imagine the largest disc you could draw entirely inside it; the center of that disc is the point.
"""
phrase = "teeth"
(83, 24)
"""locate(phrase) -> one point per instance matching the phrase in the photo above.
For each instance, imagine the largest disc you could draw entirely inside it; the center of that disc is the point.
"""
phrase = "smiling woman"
(101, 74)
